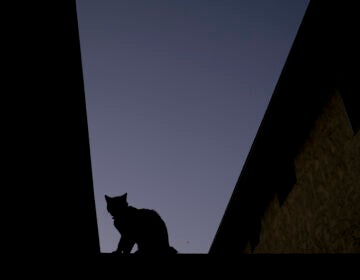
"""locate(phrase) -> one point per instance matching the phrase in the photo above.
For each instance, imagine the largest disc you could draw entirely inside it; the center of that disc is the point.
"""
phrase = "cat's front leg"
(125, 245)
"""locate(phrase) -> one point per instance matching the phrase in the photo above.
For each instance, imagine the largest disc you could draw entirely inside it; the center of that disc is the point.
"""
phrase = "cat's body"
(143, 227)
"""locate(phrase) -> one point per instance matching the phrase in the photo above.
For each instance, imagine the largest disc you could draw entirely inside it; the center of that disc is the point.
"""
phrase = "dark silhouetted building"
(51, 209)
(299, 190)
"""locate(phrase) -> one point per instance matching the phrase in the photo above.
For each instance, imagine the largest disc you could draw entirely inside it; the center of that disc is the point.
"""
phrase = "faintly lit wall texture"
(298, 191)
(322, 212)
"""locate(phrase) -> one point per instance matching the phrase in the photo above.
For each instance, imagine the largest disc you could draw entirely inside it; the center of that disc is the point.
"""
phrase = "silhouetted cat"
(143, 227)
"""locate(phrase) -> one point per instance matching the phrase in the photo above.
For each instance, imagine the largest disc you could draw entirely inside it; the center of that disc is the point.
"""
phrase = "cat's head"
(116, 204)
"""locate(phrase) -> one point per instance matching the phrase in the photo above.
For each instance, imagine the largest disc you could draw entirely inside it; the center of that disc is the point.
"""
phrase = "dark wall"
(51, 207)
(322, 212)
(321, 60)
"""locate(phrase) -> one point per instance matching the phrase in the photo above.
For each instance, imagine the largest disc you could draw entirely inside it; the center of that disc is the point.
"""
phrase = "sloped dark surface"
(322, 59)
(51, 206)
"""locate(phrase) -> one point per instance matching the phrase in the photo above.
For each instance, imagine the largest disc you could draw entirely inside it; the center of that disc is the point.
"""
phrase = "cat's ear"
(125, 196)
(107, 198)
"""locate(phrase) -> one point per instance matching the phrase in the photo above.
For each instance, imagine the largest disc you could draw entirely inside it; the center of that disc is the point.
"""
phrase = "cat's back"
(151, 221)
(148, 215)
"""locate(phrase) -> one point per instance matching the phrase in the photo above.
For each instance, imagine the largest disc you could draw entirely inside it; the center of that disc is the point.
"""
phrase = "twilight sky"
(175, 92)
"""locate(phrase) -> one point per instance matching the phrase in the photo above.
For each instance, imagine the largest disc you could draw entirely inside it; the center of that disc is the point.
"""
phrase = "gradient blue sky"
(175, 92)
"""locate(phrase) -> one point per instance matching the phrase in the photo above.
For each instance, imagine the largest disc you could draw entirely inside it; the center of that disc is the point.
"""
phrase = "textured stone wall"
(322, 212)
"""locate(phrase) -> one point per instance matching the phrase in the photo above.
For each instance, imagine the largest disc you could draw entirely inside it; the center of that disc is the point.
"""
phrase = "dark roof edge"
(311, 72)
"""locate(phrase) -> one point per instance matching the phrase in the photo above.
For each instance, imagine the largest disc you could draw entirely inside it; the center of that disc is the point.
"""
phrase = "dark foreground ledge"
(183, 266)
(206, 262)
